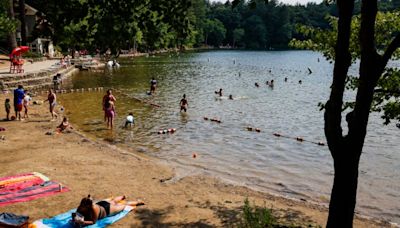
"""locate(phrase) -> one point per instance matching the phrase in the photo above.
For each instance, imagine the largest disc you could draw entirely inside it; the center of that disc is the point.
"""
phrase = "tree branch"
(333, 107)
(391, 49)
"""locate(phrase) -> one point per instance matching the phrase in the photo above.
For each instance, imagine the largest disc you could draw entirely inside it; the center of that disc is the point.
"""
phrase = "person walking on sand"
(153, 85)
(184, 103)
(106, 99)
(26, 103)
(18, 101)
(51, 97)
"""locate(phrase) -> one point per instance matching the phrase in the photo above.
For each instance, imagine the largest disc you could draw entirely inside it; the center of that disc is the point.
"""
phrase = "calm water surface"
(228, 150)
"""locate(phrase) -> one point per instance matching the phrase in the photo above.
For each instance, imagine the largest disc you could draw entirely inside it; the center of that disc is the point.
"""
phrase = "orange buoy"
(194, 155)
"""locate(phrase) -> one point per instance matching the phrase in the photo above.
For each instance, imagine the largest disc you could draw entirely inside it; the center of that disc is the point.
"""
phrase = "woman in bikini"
(89, 213)
(51, 97)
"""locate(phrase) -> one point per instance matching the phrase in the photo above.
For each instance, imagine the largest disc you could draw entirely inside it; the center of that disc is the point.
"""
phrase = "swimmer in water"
(256, 84)
(271, 84)
(300, 82)
(219, 92)
(230, 97)
(184, 103)
(285, 79)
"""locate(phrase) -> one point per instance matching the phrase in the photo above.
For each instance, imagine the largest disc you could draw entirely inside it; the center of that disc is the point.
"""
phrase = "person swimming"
(256, 84)
(271, 84)
(219, 92)
(230, 97)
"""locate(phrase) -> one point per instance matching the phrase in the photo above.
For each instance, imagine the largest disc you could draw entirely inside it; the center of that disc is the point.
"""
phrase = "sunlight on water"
(260, 160)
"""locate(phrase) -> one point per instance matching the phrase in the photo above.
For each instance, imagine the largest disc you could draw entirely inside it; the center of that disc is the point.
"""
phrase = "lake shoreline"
(91, 167)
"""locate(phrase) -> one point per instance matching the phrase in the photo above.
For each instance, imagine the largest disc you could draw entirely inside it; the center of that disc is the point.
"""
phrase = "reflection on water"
(228, 149)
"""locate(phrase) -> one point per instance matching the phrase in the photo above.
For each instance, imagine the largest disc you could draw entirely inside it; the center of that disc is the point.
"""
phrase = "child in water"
(130, 120)
(184, 103)
(8, 108)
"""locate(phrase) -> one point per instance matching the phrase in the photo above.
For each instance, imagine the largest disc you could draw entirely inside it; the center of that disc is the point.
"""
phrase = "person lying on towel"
(89, 212)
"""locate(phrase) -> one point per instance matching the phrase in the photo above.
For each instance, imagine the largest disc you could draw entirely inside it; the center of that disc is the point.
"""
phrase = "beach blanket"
(64, 220)
(26, 187)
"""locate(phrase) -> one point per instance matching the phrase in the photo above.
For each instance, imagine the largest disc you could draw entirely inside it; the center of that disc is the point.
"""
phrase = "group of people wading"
(109, 106)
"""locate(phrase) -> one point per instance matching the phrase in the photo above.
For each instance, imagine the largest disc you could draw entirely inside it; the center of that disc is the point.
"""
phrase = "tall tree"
(21, 7)
(377, 89)
(12, 40)
(7, 24)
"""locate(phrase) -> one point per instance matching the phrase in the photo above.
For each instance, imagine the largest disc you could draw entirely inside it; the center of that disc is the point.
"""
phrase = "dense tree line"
(148, 25)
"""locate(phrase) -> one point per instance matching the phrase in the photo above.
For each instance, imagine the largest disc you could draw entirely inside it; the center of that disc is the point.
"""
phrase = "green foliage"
(387, 95)
(256, 217)
(238, 35)
(214, 31)
(7, 24)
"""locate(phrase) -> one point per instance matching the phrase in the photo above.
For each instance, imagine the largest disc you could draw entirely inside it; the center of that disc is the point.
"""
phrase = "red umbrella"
(19, 50)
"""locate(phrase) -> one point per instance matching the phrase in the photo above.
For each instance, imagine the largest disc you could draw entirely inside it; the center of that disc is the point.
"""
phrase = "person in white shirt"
(26, 103)
(130, 120)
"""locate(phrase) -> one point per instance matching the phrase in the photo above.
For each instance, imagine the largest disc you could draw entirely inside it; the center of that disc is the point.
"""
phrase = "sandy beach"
(94, 167)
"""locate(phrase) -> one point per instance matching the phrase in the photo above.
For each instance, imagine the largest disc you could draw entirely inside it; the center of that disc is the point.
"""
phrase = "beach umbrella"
(19, 50)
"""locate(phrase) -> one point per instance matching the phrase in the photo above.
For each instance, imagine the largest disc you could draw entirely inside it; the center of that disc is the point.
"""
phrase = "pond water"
(228, 150)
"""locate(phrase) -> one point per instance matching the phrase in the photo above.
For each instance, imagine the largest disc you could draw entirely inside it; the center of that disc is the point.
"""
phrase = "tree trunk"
(12, 40)
(23, 23)
(344, 190)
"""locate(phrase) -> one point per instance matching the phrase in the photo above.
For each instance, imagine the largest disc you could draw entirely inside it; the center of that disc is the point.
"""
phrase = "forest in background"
(148, 25)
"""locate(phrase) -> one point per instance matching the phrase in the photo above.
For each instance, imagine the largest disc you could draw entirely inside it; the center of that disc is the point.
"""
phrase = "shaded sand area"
(102, 170)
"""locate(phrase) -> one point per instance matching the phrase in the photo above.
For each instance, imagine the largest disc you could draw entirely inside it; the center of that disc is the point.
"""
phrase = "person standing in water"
(184, 103)
(106, 98)
(153, 85)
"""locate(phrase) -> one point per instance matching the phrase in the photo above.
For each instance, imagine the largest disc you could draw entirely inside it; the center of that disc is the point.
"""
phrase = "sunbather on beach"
(89, 213)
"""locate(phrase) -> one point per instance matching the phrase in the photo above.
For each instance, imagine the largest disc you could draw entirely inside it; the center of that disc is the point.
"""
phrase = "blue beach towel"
(63, 220)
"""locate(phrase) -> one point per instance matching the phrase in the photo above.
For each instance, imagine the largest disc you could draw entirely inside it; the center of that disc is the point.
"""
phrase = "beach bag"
(12, 220)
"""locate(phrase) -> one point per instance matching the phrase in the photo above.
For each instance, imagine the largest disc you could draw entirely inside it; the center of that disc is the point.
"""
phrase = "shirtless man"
(184, 103)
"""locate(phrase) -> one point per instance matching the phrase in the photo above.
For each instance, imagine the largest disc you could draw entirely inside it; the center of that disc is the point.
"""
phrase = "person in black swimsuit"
(184, 103)
(153, 85)
(89, 212)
